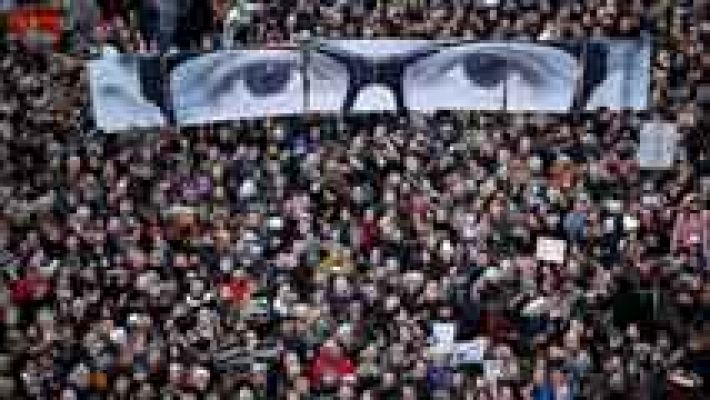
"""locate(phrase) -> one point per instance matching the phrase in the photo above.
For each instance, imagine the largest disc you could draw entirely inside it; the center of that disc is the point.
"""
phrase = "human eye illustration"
(267, 78)
(541, 78)
(486, 70)
(117, 98)
(237, 84)
(492, 76)
(454, 79)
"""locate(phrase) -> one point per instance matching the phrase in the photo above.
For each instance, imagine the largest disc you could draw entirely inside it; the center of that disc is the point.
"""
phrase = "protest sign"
(658, 141)
(443, 334)
(493, 369)
(470, 352)
(551, 250)
(186, 88)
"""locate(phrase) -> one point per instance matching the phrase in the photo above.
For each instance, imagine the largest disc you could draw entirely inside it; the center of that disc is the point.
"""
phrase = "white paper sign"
(551, 250)
(443, 333)
(469, 352)
(493, 369)
(536, 307)
(705, 184)
(657, 148)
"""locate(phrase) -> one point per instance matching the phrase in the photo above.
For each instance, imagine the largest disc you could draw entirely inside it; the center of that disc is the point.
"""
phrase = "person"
(237, 23)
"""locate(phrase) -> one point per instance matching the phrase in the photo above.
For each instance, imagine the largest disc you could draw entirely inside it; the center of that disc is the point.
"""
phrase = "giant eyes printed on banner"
(419, 75)
(344, 76)
(240, 84)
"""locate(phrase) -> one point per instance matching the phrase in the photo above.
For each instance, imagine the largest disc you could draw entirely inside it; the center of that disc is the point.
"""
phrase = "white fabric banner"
(351, 76)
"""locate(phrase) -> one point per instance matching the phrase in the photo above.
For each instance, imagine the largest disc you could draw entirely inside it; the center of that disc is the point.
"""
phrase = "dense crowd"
(310, 258)
(186, 24)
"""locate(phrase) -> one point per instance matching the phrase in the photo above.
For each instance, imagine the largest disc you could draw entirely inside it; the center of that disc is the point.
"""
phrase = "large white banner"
(351, 76)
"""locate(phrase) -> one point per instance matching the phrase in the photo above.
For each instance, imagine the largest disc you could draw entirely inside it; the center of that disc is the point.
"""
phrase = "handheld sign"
(551, 250)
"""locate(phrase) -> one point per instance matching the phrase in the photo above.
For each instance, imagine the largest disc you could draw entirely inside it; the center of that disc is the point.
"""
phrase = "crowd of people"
(314, 258)
(159, 25)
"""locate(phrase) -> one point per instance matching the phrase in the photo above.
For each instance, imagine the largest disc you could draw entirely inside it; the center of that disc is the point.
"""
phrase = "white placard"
(705, 184)
(471, 352)
(551, 250)
(493, 369)
(536, 307)
(657, 148)
(443, 333)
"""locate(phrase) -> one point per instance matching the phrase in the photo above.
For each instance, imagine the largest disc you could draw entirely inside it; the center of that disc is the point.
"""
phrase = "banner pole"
(505, 88)
(305, 43)
(306, 81)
